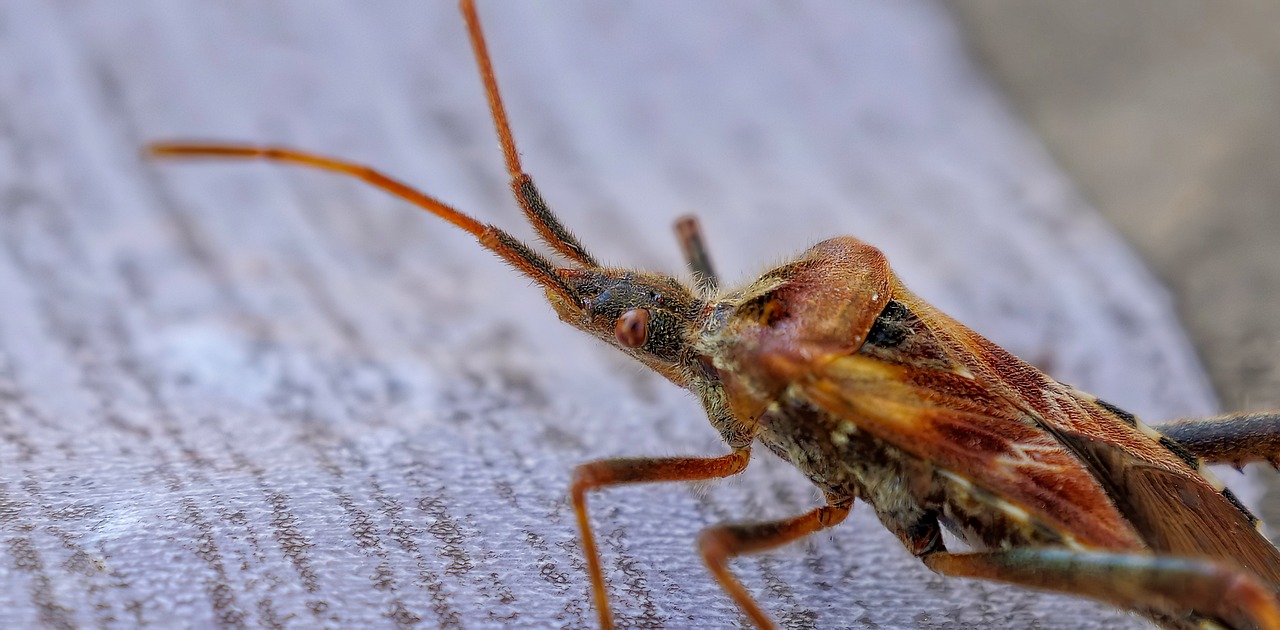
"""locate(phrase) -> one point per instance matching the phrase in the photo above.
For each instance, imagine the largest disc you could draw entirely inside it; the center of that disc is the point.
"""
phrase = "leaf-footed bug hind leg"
(1134, 581)
(1235, 439)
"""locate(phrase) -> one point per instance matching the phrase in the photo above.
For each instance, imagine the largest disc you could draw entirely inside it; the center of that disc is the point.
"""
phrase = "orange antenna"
(540, 216)
(510, 249)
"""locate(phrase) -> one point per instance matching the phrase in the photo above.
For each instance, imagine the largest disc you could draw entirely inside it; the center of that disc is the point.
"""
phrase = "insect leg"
(1234, 439)
(722, 543)
(1162, 584)
(689, 232)
(614, 472)
(540, 216)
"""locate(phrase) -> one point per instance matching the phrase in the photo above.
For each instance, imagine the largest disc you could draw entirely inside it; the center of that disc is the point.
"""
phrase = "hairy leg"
(1235, 439)
(1163, 585)
(614, 472)
(722, 543)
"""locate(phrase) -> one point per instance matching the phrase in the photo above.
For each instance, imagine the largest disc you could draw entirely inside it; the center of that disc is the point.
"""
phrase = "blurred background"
(1165, 115)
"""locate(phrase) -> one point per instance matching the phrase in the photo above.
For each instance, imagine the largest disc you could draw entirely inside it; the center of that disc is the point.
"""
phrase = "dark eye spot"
(632, 328)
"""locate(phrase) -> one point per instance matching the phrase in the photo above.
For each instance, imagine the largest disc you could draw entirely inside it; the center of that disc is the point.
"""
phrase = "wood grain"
(258, 397)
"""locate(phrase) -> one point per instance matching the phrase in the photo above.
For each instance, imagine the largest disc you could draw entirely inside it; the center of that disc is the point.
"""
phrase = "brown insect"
(872, 393)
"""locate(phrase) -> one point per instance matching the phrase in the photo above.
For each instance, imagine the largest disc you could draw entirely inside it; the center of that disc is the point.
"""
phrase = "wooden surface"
(251, 396)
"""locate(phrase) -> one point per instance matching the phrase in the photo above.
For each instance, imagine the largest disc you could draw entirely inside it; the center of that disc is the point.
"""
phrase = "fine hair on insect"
(831, 363)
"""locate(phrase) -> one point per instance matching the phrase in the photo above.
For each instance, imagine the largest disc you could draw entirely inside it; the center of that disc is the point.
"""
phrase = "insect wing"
(1174, 515)
(1174, 507)
(951, 422)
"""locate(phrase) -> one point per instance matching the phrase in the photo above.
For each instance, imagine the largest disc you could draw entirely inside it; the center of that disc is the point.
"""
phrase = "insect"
(831, 363)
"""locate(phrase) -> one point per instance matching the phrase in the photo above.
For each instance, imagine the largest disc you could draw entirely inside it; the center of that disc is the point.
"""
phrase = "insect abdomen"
(905, 490)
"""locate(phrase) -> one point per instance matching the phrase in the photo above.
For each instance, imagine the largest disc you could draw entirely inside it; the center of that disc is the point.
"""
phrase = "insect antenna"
(540, 216)
(506, 246)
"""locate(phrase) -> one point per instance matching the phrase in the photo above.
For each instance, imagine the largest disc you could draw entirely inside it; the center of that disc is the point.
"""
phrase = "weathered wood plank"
(261, 397)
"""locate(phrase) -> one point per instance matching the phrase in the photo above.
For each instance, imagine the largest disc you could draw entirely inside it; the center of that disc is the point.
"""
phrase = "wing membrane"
(949, 420)
(1172, 505)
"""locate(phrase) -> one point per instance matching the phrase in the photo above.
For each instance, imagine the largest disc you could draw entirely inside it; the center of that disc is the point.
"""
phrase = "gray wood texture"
(251, 396)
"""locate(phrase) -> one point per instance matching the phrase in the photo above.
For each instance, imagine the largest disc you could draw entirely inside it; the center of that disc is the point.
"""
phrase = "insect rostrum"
(832, 364)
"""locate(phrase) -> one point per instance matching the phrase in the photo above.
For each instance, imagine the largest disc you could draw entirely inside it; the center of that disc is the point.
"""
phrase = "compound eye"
(632, 328)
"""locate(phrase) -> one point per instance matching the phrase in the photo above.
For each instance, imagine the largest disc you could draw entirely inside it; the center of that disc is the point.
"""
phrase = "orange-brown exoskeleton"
(829, 362)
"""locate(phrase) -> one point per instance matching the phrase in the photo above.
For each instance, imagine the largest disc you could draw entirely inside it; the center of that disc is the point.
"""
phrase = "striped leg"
(1163, 585)
(1235, 439)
